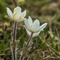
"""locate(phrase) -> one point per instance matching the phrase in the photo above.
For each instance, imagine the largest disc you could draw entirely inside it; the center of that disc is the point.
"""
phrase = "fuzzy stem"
(30, 38)
(14, 31)
(14, 41)
(21, 58)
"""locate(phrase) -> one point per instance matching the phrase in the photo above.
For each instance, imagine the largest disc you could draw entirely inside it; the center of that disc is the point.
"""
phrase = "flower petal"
(23, 14)
(36, 34)
(35, 26)
(43, 26)
(17, 17)
(9, 12)
(17, 10)
(30, 21)
(19, 20)
(37, 21)
(27, 24)
(28, 32)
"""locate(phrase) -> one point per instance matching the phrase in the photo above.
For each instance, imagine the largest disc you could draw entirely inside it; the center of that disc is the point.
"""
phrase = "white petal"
(17, 17)
(35, 26)
(28, 32)
(36, 34)
(37, 21)
(23, 14)
(27, 24)
(9, 12)
(19, 20)
(43, 26)
(17, 10)
(30, 21)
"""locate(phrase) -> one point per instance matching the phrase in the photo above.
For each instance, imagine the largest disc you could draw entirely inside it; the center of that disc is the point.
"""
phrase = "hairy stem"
(14, 42)
(30, 38)
(14, 31)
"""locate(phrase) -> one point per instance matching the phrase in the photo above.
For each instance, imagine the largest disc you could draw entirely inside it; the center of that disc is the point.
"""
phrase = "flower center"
(20, 17)
(14, 15)
(31, 26)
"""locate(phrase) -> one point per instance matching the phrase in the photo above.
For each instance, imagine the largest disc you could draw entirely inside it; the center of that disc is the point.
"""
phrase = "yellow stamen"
(31, 26)
(14, 15)
(20, 17)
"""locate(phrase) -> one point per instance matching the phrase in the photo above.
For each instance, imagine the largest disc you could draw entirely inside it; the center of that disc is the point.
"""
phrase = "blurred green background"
(47, 45)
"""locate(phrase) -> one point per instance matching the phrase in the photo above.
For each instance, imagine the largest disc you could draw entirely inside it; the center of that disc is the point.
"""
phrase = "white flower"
(33, 26)
(17, 15)
(29, 33)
